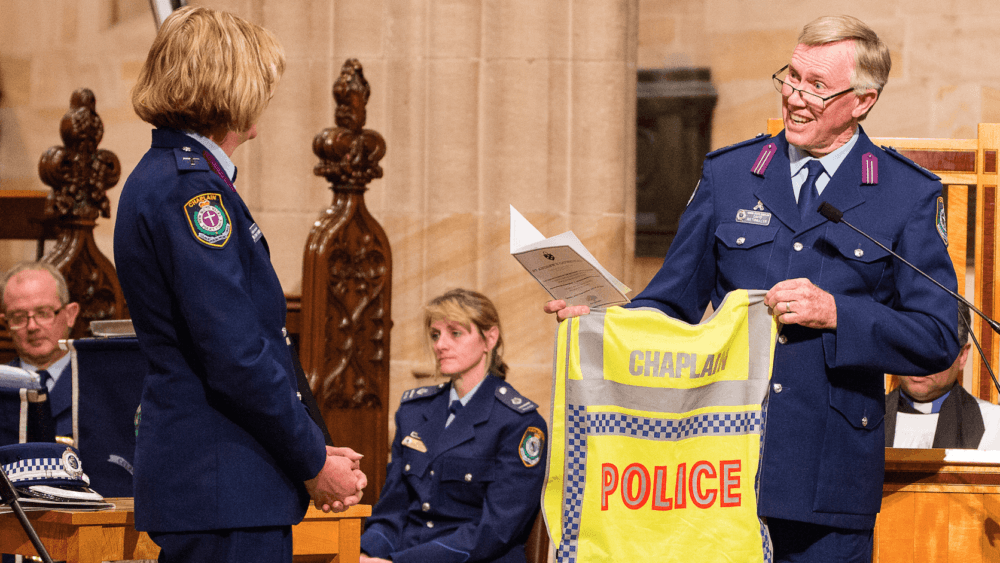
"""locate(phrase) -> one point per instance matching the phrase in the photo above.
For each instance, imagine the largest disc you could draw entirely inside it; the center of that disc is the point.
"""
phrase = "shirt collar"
(935, 405)
(831, 162)
(220, 156)
(453, 395)
(55, 370)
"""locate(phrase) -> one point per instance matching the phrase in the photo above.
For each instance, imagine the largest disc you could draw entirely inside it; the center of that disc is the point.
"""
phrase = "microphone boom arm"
(833, 214)
(837, 216)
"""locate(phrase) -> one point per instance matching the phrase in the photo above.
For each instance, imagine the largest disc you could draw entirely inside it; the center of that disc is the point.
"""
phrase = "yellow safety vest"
(656, 435)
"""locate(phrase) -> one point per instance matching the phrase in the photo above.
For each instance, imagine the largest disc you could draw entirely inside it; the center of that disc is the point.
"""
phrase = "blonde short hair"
(871, 56)
(469, 308)
(208, 69)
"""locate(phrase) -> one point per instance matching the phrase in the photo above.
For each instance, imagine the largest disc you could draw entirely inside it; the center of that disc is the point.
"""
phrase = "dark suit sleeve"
(237, 342)
(512, 501)
(385, 526)
(916, 335)
(682, 287)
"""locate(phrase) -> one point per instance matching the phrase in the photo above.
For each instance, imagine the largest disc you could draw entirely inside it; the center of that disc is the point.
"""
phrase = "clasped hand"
(338, 485)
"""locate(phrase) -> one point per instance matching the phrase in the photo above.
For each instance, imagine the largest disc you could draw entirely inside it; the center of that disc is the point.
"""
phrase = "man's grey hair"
(61, 287)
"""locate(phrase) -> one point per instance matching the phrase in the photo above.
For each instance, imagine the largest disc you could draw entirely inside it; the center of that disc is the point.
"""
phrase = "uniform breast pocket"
(853, 264)
(742, 249)
(850, 471)
(465, 479)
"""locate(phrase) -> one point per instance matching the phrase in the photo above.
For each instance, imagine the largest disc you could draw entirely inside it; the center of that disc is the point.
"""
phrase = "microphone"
(835, 215)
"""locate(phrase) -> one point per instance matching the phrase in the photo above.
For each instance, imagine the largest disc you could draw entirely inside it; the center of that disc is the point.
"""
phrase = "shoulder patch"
(516, 401)
(187, 159)
(894, 153)
(531, 447)
(423, 392)
(208, 219)
(757, 139)
(940, 220)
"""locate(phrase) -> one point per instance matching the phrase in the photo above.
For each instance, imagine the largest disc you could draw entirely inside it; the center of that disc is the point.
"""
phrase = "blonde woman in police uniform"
(226, 456)
(467, 463)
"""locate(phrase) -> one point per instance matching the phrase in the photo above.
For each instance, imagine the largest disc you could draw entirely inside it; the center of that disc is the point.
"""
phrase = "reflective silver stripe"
(592, 346)
(654, 399)
(595, 390)
(760, 331)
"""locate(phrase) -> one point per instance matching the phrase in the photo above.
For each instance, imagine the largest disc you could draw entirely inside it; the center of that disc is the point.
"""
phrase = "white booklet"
(563, 266)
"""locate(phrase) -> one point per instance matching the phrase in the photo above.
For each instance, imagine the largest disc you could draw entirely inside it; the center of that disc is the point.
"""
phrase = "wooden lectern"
(936, 508)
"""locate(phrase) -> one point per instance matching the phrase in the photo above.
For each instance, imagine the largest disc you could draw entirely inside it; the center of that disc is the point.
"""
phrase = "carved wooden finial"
(348, 153)
(79, 173)
(347, 286)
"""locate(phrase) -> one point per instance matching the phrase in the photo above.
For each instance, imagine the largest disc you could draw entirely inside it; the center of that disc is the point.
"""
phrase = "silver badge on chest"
(752, 217)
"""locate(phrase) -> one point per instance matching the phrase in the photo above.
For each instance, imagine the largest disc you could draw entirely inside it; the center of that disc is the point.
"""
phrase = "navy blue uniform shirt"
(223, 441)
(823, 458)
(466, 493)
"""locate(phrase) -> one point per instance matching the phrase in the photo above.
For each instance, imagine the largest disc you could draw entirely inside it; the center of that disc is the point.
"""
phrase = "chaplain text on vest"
(656, 435)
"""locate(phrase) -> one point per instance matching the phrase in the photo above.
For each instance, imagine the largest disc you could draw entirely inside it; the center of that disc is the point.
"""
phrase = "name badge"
(762, 218)
(414, 442)
(255, 232)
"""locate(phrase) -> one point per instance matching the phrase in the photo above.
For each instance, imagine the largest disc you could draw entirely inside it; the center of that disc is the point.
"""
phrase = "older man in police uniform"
(850, 310)
(37, 311)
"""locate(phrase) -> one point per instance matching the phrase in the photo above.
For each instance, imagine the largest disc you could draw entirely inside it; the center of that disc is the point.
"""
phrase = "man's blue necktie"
(808, 195)
(44, 377)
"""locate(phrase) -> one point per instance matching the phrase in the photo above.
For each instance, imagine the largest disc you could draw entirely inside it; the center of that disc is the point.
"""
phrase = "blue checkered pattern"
(575, 479)
(19, 470)
(765, 538)
(665, 430)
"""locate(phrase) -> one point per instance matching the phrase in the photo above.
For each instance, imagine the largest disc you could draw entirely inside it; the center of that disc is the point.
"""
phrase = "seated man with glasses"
(35, 307)
(849, 311)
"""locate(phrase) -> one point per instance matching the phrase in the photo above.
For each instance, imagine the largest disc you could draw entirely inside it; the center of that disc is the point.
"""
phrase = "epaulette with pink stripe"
(869, 169)
(764, 158)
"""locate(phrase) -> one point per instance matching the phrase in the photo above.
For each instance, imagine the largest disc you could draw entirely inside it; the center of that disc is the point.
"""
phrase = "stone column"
(482, 105)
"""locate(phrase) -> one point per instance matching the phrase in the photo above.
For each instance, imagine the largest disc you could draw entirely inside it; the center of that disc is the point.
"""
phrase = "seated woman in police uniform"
(468, 458)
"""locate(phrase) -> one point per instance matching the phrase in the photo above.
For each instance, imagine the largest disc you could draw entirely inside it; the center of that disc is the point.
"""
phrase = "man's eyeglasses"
(43, 317)
(815, 100)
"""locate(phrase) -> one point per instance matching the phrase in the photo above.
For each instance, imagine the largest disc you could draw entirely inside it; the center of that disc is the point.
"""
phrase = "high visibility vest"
(656, 435)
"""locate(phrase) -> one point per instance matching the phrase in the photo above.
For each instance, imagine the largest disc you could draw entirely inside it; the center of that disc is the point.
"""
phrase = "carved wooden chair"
(968, 171)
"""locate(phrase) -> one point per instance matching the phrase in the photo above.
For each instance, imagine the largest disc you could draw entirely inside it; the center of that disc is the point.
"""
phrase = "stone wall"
(483, 104)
